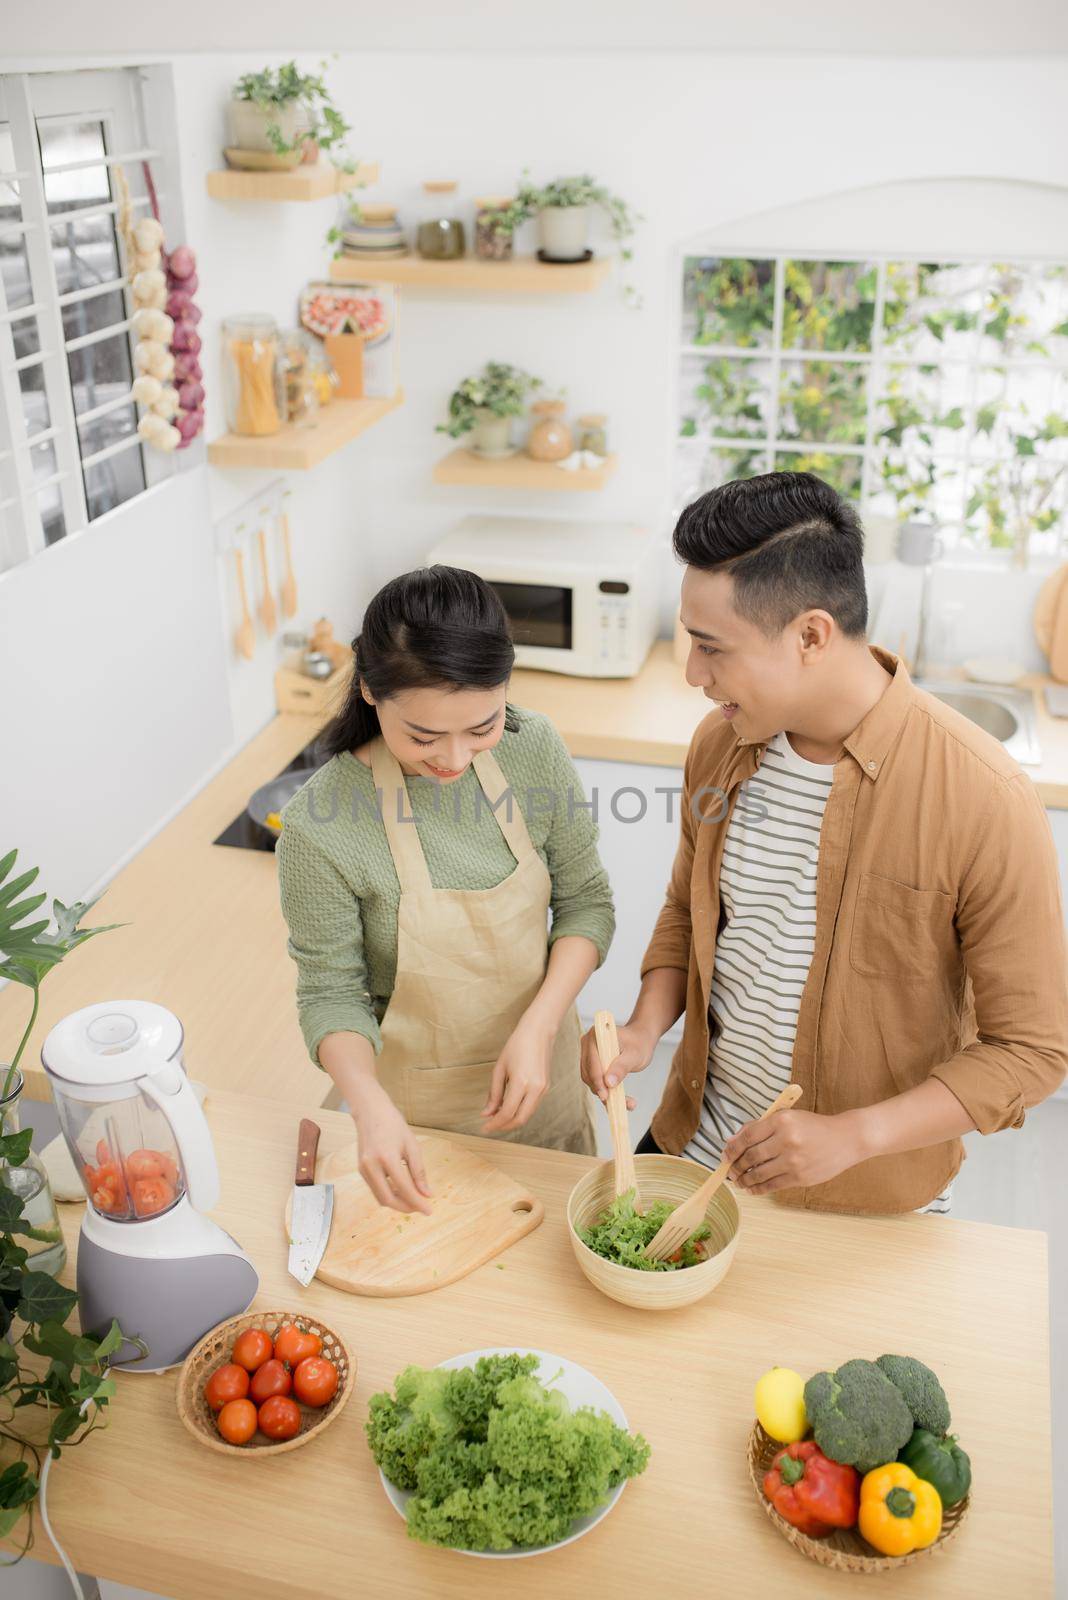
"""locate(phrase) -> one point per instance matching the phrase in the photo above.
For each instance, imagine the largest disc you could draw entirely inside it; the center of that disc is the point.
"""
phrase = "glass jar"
(253, 375)
(593, 433)
(491, 243)
(440, 234)
(301, 355)
(39, 1232)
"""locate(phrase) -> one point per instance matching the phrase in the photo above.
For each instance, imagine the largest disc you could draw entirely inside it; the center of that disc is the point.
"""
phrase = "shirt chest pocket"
(900, 932)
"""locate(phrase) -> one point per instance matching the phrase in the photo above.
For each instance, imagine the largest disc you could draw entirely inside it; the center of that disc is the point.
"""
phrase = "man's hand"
(636, 1048)
(792, 1150)
(520, 1077)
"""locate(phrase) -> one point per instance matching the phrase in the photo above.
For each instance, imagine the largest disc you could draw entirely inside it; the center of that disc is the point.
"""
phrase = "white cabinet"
(638, 815)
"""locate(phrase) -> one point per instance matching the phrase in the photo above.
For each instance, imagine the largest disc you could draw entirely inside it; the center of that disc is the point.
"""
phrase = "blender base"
(170, 1303)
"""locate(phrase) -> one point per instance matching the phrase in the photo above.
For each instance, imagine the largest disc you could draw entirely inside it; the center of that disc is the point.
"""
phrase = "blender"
(147, 1255)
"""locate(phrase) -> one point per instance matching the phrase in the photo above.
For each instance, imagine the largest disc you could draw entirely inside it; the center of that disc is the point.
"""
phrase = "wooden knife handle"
(307, 1149)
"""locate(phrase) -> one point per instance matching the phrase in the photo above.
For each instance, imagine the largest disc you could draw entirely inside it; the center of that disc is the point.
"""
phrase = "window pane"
(824, 401)
(112, 482)
(1021, 307)
(726, 396)
(1017, 504)
(829, 305)
(100, 372)
(727, 300)
(925, 409)
(700, 467)
(14, 267)
(911, 483)
(932, 312)
(34, 400)
(85, 252)
(841, 472)
(1016, 412)
(106, 430)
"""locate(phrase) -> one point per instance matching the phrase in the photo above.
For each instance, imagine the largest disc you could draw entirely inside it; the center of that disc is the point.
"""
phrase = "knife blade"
(312, 1209)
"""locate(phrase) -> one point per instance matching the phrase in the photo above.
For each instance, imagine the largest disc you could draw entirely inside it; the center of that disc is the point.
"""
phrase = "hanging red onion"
(178, 304)
(182, 263)
(187, 368)
(189, 423)
(190, 396)
(185, 337)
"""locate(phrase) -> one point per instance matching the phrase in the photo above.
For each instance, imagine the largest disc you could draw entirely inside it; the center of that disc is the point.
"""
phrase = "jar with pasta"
(253, 375)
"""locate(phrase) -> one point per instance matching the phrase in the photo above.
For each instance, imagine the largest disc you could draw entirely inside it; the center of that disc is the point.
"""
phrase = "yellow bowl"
(669, 1178)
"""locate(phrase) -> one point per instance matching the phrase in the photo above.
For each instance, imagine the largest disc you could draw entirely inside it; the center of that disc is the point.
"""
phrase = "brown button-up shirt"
(939, 947)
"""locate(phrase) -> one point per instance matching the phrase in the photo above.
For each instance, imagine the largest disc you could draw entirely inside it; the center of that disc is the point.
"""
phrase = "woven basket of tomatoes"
(264, 1382)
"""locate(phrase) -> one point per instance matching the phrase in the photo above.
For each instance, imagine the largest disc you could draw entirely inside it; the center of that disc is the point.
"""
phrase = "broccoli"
(858, 1415)
(923, 1393)
(495, 1458)
(621, 1234)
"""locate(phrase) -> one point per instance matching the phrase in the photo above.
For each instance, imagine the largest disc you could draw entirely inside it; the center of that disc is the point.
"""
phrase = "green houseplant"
(485, 404)
(53, 1399)
(563, 209)
(288, 112)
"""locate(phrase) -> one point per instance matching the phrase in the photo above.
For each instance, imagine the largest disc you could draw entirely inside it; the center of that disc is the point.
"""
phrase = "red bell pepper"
(813, 1493)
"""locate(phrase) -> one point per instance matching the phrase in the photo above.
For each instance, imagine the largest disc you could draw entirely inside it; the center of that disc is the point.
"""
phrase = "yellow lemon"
(780, 1405)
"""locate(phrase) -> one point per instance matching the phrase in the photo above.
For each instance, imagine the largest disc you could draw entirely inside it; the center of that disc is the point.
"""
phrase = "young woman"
(420, 869)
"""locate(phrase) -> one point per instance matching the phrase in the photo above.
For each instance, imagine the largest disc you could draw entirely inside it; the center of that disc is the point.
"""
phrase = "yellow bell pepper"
(899, 1512)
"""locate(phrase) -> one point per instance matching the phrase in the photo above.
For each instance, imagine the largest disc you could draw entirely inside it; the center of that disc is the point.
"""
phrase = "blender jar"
(125, 1152)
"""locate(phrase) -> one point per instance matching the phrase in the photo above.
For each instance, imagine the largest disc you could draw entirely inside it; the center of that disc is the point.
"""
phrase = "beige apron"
(469, 962)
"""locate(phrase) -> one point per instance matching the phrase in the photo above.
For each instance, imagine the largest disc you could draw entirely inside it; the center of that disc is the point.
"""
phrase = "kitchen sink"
(1008, 714)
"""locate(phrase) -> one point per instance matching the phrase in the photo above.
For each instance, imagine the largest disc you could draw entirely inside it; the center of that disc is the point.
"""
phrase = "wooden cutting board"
(477, 1212)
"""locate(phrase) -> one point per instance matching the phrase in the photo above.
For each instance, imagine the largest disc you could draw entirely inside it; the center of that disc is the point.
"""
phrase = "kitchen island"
(145, 1504)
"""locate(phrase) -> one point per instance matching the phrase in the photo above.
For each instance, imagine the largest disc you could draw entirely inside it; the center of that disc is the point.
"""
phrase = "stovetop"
(243, 833)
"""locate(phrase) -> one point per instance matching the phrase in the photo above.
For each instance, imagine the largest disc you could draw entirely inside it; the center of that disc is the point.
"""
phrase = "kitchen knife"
(311, 1211)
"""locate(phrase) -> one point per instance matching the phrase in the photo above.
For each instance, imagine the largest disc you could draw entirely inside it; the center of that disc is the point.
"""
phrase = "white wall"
(692, 141)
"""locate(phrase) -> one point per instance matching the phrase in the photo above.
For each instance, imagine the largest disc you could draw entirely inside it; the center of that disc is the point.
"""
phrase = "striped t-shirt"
(764, 949)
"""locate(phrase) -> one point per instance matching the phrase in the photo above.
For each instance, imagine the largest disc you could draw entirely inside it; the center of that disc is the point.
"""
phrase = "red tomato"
(271, 1378)
(237, 1421)
(104, 1198)
(169, 1166)
(143, 1164)
(279, 1417)
(315, 1381)
(251, 1349)
(103, 1154)
(225, 1384)
(151, 1195)
(293, 1345)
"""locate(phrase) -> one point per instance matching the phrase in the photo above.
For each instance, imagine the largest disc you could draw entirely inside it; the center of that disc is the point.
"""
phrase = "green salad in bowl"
(621, 1234)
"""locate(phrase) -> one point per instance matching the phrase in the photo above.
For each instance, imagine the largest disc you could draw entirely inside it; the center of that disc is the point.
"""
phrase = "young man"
(865, 898)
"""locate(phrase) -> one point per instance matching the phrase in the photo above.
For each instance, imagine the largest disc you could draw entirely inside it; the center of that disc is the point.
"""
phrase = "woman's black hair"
(435, 628)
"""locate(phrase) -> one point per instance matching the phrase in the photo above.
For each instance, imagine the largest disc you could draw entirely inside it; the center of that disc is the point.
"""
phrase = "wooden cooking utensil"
(688, 1217)
(289, 583)
(245, 637)
(604, 1026)
(476, 1212)
(268, 610)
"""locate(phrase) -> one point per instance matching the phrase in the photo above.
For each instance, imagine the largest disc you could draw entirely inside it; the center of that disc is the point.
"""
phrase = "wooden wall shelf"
(519, 472)
(296, 449)
(298, 183)
(521, 275)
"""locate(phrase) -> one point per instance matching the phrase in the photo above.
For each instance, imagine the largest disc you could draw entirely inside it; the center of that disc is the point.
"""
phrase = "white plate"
(579, 1388)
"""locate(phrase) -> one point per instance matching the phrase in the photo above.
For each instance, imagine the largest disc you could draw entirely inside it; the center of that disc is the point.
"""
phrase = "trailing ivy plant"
(499, 388)
(582, 190)
(273, 89)
(55, 1400)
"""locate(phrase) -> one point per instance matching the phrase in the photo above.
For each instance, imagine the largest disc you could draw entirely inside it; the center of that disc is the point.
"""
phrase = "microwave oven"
(581, 597)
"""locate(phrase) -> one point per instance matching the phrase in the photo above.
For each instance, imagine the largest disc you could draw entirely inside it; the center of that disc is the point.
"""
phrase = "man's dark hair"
(790, 542)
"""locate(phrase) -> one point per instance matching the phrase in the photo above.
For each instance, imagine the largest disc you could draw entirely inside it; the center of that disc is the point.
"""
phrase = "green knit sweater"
(339, 888)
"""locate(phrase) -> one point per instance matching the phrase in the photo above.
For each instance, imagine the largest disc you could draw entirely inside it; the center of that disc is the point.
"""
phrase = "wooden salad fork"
(604, 1026)
(688, 1217)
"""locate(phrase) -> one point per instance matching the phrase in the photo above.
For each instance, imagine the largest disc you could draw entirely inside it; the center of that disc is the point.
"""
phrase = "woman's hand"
(391, 1161)
(791, 1150)
(520, 1077)
(636, 1046)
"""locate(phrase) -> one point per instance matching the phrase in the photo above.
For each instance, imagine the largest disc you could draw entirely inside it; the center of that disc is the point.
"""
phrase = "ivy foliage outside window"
(930, 390)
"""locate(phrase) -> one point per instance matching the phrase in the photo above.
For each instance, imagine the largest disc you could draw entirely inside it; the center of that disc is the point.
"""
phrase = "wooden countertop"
(651, 718)
(141, 1502)
(205, 937)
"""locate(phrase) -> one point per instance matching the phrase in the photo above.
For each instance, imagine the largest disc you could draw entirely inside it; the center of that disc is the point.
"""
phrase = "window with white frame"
(930, 390)
(69, 448)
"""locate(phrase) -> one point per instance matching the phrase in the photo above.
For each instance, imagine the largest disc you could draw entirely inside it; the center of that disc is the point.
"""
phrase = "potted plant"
(288, 113)
(484, 406)
(563, 211)
(53, 1400)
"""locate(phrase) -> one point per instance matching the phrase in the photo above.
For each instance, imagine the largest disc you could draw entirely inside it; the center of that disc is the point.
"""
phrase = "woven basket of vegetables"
(857, 1468)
